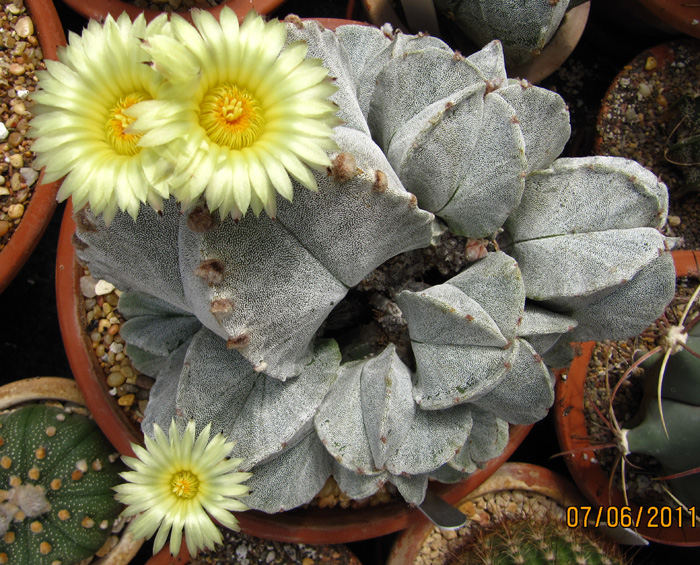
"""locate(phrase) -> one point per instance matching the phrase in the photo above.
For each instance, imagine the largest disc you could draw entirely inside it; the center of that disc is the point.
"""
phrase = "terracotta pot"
(163, 557)
(681, 15)
(511, 476)
(43, 201)
(572, 434)
(300, 525)
(64, 390)
(550, 59)
(99, 9)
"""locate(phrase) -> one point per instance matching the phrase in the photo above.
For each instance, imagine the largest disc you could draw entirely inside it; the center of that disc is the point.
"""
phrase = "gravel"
(20, 57)
(636, 123)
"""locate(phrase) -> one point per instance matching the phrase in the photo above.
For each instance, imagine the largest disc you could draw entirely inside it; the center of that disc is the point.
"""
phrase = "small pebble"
(87, 286)
(15, 211)
(116, 379)
(15, 139)
(24, 26)
(4, 132)
(16, 160)
(103, 287)
(674, 221)
(126, 400)
(4, 227)
(15, 182)
(16, 69)
(650, 64)
(644, 90)
(29, 175)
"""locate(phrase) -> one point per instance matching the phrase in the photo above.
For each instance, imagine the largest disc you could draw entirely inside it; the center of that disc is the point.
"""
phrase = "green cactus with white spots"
(57, 471)
(232, 317)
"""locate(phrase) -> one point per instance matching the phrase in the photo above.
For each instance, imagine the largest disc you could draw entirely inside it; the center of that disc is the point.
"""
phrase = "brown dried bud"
(381, 182)
(221, 306)
(82, 222)
(211, 270)
(200, 220)
(343, 167)
(238, 342)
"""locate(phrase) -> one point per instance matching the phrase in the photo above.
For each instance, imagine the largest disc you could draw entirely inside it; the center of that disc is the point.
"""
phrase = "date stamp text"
(626, 517)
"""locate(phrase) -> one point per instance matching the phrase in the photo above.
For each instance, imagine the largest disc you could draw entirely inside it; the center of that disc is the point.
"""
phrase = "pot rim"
(675, 13)
(572, 434)
(43, 201)
(510, 476)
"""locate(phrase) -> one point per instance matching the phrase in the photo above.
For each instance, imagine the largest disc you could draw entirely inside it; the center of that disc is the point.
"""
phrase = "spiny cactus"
(683, 145)
(521, 539)
(523, 26)
(228, 316)
(57, 471)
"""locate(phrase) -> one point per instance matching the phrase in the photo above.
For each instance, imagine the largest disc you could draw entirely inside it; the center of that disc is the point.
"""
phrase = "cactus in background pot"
(57, 471)
(520, 539)
(387, 326)
(667, 424)
(524, 27)
(683, 145)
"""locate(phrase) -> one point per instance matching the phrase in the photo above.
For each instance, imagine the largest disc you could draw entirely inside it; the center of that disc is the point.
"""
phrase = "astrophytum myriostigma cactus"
(523, 26)
(239, 321)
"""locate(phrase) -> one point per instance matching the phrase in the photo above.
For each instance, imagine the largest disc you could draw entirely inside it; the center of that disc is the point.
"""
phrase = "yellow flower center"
(184, 484)
(231, 116)
(118, 121)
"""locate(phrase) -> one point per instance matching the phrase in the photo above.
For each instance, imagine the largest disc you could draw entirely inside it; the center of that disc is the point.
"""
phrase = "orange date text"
(626, 517)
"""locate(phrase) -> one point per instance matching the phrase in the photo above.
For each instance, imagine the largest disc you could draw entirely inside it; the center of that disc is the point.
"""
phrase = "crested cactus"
(57, 471)
(231, 315)
(523, 26)
(521, 539)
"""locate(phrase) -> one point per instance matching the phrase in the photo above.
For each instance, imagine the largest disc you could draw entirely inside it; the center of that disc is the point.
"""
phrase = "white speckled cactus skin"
(523, 26)
(225, 315)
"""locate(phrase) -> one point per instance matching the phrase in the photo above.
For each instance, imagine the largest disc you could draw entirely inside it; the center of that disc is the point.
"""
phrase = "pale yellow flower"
(256, 111)
(82, 126)
(177, 483)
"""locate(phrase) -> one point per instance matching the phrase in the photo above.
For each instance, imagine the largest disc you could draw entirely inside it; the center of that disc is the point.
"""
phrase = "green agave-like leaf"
(340, 424)
(445, 315)
(434, 438)
(487, 439)
(387, 403)
(526, 392)
(137, 256)
(557, 201)
(569, 272)
(291, 479)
